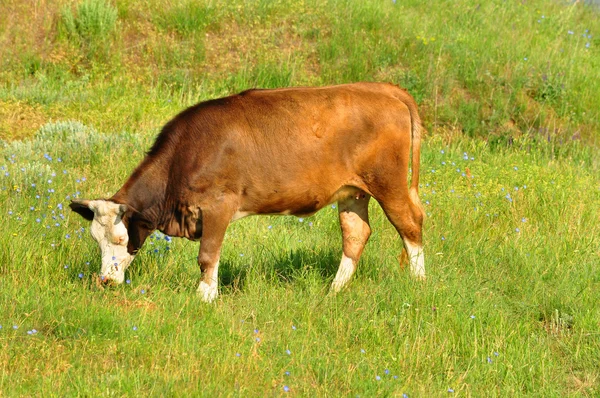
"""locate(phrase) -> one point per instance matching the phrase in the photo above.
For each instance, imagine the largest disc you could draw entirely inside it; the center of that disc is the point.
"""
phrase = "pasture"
(510, 180)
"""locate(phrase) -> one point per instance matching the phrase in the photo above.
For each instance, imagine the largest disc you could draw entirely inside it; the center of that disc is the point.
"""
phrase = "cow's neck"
(144, 191)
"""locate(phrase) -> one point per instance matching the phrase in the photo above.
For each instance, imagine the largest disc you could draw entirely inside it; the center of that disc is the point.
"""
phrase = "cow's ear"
(82, 207)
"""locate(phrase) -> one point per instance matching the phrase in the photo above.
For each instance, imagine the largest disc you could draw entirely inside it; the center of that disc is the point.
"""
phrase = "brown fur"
(290, 150)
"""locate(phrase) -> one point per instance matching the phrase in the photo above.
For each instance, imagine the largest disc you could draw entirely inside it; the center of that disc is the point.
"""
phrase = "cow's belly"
(300, 204)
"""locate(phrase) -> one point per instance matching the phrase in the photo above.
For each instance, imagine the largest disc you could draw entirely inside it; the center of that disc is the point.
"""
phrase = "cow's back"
(287, 150)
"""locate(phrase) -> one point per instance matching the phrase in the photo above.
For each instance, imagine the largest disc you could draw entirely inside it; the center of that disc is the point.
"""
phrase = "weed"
(91, 25)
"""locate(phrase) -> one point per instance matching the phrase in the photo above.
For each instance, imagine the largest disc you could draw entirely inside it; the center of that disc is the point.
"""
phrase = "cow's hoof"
(419, 275)
(208, 292)
(337, 286)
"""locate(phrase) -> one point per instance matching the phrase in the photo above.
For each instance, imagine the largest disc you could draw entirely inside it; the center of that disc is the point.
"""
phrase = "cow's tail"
(416, 129)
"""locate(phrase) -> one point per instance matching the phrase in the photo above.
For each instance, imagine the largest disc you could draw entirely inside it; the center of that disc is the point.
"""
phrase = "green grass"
(523, 262)
(495, 70)
(512, 237)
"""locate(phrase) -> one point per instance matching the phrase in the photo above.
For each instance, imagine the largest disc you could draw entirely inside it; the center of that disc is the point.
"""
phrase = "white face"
(111, 234)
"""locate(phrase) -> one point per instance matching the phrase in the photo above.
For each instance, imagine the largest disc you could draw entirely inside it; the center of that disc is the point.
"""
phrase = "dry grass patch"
(19, 120)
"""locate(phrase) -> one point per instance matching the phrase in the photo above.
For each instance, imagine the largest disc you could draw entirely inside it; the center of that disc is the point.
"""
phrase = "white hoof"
(208, 292)
(344, 274)
(417, 260)
(336, 286)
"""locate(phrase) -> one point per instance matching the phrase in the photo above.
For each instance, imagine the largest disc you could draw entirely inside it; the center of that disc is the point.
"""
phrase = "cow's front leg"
(214, 225)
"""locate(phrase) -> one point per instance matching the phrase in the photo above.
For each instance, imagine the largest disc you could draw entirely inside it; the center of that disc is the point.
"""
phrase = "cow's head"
(111, 234)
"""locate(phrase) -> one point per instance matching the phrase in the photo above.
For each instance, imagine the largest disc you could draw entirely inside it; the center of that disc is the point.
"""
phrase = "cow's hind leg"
(354, 221)
(214, 225)
(407, 218)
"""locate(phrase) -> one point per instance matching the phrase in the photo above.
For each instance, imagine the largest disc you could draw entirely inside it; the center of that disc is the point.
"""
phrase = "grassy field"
(510, 182)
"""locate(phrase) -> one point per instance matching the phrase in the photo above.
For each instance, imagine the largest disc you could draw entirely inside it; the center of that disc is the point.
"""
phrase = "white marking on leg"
(344, 273)
(209, 291)
(416, 258)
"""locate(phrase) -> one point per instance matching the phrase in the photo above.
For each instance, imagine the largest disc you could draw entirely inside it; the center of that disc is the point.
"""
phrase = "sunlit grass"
(496, 70)
(509, 307)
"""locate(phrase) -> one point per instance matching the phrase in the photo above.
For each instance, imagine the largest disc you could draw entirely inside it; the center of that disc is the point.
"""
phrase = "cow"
(288, 151)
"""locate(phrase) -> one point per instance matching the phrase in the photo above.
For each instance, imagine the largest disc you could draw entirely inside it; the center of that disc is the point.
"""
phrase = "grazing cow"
(284, 151)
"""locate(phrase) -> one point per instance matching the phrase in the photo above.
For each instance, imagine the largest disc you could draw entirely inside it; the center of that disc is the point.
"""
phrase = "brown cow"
(284, 151)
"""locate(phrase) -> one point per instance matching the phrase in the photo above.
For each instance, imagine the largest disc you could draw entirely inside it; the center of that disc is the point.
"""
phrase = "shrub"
(92, 23)
(188, 18)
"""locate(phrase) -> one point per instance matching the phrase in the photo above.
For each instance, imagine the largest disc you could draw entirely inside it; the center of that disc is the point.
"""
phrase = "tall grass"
(510, 307)
(188, 18)
(91, 25)
(494, 70)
